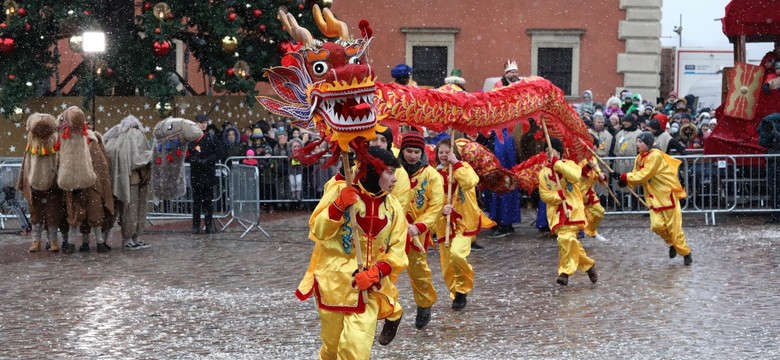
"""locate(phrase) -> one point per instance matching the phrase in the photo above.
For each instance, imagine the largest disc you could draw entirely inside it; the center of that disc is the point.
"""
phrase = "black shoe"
(501, 232)
(687, 259)
(209, 229)
(460, 301)
(195, 230)
(388, 331)
(592, 275)
(672, 252)
(68, 248)
(423, 317)
(101, 248)
(475, 246)
(84, 247)
(563, 279)
(107, 247)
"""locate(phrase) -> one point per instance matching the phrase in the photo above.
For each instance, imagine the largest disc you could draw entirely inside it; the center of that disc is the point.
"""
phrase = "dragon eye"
(355, 60)
(320, 68)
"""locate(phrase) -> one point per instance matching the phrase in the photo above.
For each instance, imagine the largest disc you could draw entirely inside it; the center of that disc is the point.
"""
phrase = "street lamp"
(94, 42)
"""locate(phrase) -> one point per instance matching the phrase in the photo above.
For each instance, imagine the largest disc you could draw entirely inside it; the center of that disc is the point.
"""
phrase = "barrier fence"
(247, 185)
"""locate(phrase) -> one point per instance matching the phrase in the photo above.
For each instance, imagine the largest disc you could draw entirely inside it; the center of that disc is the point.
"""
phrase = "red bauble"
(7, 45)
(86, 12)
(232, 17)
(3, 26)
(22, 12)
(170, 15)
(230, 72)
(27, 27)
(157, 30)
(300, 6)
(11, 77)
(161, 48)
(147, 6)
(150, 77)
(257, 13)
(261, 27)
(109, 72)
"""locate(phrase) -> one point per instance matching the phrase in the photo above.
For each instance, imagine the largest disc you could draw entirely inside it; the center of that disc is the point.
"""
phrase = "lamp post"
(94, 43)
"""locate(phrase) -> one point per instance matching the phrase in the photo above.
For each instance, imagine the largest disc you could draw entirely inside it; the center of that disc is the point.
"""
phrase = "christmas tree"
(233, 42)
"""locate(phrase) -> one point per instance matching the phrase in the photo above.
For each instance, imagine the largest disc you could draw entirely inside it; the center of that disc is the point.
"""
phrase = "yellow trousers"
(348, 336)
(593, 214)
(458, 273)
(421, 279)
(668, 225)
(570, 252)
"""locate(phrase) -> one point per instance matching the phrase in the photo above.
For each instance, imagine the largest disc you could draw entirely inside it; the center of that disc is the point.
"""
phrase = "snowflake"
(27, 110)
(12, 149)
(63, 106)
(230, 115)
(147, 129)
(18, 125)
(241, 105)
(147, 106)
(198, 107)
(101, 108)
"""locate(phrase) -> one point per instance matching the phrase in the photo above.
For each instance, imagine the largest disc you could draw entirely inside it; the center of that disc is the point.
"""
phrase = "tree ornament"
(3, 25)
(27, 27)
(162, 11)
(147, 6)
(300, 7)
(7, 45)
(11, 77)
(22, 12)
(10, 8)
(150, 76)
(232, 17)
(257, 13)
(261, 27)
(218, 86)
(242, 69)
(161, 48)
(76, 43)
(230, 72)
(164, 111)
(109, 72)
(157, 30)
(16, 115)
(86, 13)
(229, 44)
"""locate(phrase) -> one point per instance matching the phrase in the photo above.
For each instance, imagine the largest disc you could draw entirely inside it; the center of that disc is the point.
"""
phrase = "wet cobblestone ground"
(222, 297)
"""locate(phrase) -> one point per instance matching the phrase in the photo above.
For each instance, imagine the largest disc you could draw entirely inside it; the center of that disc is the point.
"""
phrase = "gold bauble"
(162, 11)
(16, 115)
(163, 111)
(218, 86)
(76, 43)
(242, 69)
(229, 44)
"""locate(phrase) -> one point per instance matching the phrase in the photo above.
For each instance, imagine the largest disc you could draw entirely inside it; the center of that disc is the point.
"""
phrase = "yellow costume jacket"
(569, 174)
(427, 199)
(383, 230)
(657, 173)
(401, 189)
(589, 178)
(467, 218)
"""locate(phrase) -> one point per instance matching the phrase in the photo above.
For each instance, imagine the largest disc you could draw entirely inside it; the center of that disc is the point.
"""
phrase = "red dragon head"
(328, 85)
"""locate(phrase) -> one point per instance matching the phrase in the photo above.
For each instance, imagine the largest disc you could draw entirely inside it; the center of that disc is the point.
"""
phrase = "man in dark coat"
(203, 156)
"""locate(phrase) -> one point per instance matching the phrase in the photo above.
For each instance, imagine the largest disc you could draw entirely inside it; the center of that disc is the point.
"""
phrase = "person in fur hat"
(37, 179)
(83, 174)
(131, 171)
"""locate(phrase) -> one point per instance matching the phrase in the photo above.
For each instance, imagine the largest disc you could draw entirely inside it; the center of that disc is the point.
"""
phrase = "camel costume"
(84, 175)
(171, 138)
(131, 157)
(38, 176)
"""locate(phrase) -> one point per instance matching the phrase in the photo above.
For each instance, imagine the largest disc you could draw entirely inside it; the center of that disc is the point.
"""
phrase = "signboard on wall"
(695, 67)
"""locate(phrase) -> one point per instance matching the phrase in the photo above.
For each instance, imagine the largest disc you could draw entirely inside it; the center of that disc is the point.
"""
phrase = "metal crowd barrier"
(9, 173)
(244, 190)
(181, 208)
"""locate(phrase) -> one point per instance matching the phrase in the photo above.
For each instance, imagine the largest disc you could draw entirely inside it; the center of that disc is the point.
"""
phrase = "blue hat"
(401, 71)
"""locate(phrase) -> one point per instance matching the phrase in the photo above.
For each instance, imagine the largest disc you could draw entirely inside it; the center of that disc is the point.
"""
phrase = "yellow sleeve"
(395, 255)
(569, 170)
(320, 225)
(465, 175)
(435, 199)
(548, 190)
(402, 189)
(648, 170)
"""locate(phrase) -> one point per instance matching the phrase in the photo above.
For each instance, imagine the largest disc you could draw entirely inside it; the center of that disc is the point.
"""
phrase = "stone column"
(641, 63)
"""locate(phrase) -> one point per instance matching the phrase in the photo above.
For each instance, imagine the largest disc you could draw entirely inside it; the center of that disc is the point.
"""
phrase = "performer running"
(347, 323)
(657, 173)
(466, 219)
(423, 213)
(565, 224)
(594, 212)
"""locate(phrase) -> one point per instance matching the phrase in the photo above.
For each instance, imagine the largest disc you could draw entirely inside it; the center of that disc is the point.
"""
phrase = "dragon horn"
(328, 24)
(297, 32)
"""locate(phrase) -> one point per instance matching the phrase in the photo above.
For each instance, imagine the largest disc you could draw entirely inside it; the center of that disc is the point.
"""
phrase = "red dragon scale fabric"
(330, 86)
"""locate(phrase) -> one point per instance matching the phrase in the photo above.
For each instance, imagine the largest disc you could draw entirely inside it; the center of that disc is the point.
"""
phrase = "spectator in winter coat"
(663, 140)
(203, 156)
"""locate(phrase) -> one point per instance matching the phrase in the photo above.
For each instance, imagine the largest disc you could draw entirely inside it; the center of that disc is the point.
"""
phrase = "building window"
(431, 52)
(430, 65)
(555, 55)
(555, 65)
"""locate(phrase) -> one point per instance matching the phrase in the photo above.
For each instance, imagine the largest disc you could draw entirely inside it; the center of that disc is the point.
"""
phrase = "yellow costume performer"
(348, 324)
(657, 173)
(422, 213)
(594, 212)
(571, 254)
(466, 220)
